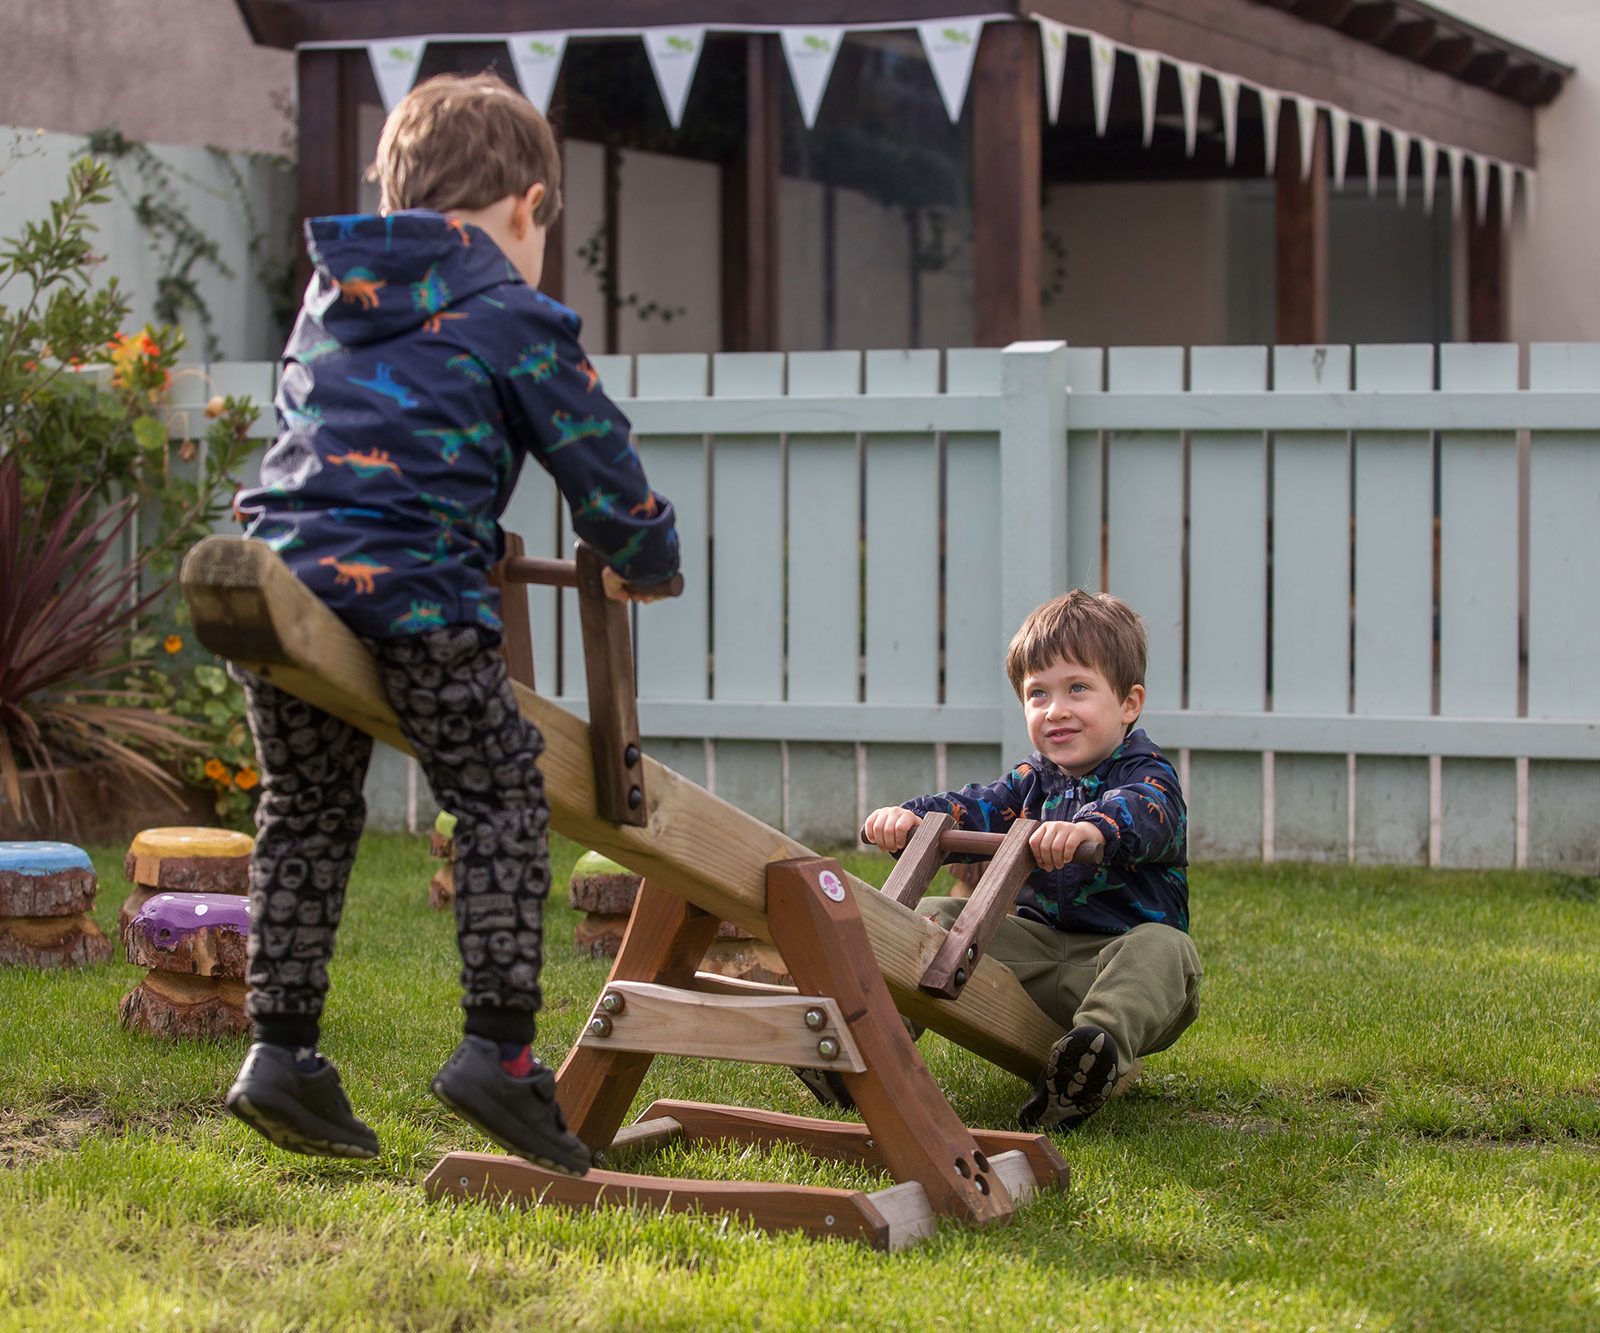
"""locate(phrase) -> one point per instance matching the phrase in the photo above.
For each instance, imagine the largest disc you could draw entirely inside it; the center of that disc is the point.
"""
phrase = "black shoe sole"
(827, 1087)
(1077, 1074)
(286, 1136)
(548, 1163)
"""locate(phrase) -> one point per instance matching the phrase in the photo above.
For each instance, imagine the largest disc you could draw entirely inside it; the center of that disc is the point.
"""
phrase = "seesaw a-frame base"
(715, 861)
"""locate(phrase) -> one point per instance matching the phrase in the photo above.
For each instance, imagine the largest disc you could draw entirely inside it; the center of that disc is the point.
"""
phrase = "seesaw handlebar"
(564, 574)
(965, 842)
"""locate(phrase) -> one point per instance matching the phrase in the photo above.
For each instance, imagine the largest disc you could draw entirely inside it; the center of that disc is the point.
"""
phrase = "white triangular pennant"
(1149, 65)
(811, 53)
(1508, 192)
(674, 54)
(1402, 164)
(1271, 101)
(1454, 158)
(536, 56)
(1430, 171)
(1102, 66)
(1189, 94)
(1339, 130)
(1053, 51)
(1372, 137)
(1228, 91)
(1530, 194)
(1305, 111)
(1480, 182)
(394, 65)
(952, 46)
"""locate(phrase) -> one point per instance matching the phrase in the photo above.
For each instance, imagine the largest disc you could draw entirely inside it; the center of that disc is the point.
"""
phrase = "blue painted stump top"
(42, 858)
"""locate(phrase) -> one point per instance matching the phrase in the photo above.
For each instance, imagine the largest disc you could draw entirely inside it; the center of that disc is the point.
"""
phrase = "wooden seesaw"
(856, 954)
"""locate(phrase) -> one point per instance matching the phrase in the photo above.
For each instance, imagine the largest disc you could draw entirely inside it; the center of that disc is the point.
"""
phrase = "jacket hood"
(380, 276)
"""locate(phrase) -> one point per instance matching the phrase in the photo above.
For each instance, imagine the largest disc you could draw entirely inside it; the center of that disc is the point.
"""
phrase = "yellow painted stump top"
(165, 842)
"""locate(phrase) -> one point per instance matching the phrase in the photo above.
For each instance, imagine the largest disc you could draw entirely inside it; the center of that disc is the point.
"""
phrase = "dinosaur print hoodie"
(1132, 797)
(422, 371)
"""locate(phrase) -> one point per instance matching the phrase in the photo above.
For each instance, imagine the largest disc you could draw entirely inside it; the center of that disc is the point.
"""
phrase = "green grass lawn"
(1388, 1116)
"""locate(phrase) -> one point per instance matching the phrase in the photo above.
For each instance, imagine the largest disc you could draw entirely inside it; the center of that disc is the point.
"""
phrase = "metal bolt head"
(635, 798)
(961, 976)
(600, 1026)
(630, 756)
(612, 1002)
(828, 1048)
(815, 1018)
(971, 953)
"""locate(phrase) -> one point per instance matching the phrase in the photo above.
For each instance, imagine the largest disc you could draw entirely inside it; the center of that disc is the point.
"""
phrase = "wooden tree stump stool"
(605, 893)
(46, 891)
(194, 945)
(442, 847)
(184, 860)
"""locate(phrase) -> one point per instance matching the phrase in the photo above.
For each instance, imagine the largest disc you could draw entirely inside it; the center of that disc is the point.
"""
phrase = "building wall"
(182, 71)
(1555, 264)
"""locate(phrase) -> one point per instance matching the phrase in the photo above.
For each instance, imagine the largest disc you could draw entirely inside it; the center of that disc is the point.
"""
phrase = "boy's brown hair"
(464, 142)
(1093, 630)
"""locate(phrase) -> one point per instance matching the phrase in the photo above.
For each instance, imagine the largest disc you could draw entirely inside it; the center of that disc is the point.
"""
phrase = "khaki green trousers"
(1143, 987)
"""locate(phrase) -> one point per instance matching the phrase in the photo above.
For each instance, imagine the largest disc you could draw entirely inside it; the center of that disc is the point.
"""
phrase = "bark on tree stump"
(45, 879)
(178, 1007)
(52, 941)
(203, 934)
(442, 847)
(190, 860)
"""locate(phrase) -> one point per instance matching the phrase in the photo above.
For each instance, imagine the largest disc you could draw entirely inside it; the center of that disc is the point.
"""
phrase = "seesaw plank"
(249, 608)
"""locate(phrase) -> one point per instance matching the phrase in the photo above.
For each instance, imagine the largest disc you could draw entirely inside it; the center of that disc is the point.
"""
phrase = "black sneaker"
(1076, 1081)
(520, 1114)
(827, 1086)
(304, 1113)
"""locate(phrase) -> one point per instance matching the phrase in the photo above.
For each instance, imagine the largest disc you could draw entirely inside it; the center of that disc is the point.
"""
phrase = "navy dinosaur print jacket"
(420, 375)
(1133, 798)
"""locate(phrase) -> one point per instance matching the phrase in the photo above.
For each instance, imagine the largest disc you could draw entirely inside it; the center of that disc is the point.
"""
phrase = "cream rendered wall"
(1555, 262)
(178, 71)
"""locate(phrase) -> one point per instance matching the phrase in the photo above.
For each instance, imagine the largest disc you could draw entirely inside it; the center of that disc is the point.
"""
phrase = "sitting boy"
(424, 369)
(1103, 950)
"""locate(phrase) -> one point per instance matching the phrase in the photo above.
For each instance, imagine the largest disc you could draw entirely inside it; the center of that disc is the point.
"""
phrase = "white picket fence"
(1368, 587)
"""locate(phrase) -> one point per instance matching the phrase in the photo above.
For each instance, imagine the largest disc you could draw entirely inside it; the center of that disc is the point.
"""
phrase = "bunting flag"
(1480, 182)
(811, 53)
(1430, 171)
(1454, 157)
(1102, 66)
(1372, 136)
(536, 56)
(1228, 91)
(394, 65)
(1189, 92)
(1053, 51)
(1271, 101)
(674, 55)
(1402, 163)
(1149, 64)
(1530, 195)
(1339, 132)
(951, 46)
(1305, 111)
(1508, 192)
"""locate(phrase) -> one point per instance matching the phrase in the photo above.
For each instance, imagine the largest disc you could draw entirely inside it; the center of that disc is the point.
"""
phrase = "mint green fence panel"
(1393, 607)
(1144, 518)
(747, 579)
(1563, 627)
(824, 598)
(1227, 608)
(974, 667)
(1085, 477)
(1478, 611)
(902, 575)
(1311, 606)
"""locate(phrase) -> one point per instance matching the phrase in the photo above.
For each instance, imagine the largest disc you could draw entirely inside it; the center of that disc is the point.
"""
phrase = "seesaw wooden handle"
(965, 842)
(564, 574)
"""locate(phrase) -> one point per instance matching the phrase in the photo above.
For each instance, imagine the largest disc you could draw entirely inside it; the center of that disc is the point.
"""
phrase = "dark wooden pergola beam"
(1372, 22)
(1450, 55)
(1413, 40)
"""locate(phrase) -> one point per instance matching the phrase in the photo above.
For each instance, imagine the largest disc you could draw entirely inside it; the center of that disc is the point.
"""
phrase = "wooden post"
(1006, 182)
(750, 208)
(1486, 274)
(1302, 235)
(327, 170)
(613, 705)
(517, 638)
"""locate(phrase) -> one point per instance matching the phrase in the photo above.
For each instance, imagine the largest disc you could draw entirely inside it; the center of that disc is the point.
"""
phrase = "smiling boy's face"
(1075, 718)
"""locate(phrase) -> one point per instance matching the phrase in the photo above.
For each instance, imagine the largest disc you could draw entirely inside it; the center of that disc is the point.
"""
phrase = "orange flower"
(172, 643)
(246, 778)
(216, 770)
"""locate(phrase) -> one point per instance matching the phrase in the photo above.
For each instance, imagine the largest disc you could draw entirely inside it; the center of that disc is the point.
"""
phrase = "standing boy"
(1104, 950)
(424, 368)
